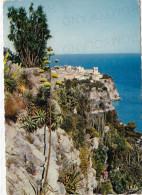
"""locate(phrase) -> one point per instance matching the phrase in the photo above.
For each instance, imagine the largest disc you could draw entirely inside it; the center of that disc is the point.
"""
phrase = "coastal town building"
(78, 72)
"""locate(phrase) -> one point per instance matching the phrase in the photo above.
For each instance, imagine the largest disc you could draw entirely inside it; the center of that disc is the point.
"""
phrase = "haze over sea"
(125, 69)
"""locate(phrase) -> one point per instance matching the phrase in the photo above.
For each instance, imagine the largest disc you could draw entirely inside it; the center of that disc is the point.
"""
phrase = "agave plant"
(30, 124)
(40, 117)
(70, 178)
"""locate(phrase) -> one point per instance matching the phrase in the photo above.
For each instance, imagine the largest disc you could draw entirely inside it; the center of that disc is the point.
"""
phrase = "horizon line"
(93, 53)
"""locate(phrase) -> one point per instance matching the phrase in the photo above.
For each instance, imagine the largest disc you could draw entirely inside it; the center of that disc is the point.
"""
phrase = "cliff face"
(25, 161)
(111, 89)
(101, 99)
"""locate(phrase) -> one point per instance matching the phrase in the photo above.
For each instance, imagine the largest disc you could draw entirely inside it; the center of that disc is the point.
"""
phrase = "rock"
(106, 129)
(57, 107)
(13, 67)
(112, 91)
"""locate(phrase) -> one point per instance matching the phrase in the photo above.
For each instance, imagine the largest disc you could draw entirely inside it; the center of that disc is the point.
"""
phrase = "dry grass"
(13, 105)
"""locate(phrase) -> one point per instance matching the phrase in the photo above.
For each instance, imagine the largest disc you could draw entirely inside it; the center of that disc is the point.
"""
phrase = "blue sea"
(125, 69)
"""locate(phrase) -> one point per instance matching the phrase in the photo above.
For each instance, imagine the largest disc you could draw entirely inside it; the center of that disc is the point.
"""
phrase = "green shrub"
(105, 188)
(106, 76)
(24, 79)
(41, 98)
(67, 124)
(29, 124)
(69, 176)
(98, 159)
(78, 134)
(131, 126)
(84, 157)
(118, 182)
(10, 84)
(93, 133)
(39, 117)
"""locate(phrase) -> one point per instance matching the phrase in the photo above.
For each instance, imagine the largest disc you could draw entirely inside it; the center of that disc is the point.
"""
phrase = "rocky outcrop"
(25, 161)
(100, 101)
(111, 89)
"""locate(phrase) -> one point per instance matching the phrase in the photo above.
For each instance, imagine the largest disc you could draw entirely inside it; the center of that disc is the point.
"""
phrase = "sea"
(125, 69)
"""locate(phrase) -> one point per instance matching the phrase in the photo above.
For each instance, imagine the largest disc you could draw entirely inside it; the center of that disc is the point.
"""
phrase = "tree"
(29, 34)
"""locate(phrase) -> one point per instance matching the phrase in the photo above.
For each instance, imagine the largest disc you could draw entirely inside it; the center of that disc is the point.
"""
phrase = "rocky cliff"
(25, 159)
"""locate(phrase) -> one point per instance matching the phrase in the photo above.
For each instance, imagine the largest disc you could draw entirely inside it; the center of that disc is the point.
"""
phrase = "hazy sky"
(87, 26)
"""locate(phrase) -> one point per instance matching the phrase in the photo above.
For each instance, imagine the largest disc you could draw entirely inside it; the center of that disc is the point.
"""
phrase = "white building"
(80, 69)
(96, 75)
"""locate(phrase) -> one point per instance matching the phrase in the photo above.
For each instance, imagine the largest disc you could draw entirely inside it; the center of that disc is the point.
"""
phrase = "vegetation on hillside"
(118, 153)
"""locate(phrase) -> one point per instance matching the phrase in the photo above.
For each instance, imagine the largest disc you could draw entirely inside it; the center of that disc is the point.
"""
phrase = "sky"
(87, 26)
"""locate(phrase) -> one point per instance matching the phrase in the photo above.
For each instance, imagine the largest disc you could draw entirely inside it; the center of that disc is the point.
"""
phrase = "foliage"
(39, 117)
(105, 188)
(29, 99)
(42, 80)
(67, 124)
(78, 134)
(93, 133)
(58, 82)
(29, 33)
(10, 84)
(6, 57)
(24, 80)
(11, 110)
(106, 76)
(47, 62)
(98, 158)
(131, 126)
(69, 98)
(29, 124)
(41, 71)
(13, 57)
(47, 84)
(118, 182)
(13, 105)
(84, 157)
(54, 75)
(111, 117)
(69, 176)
